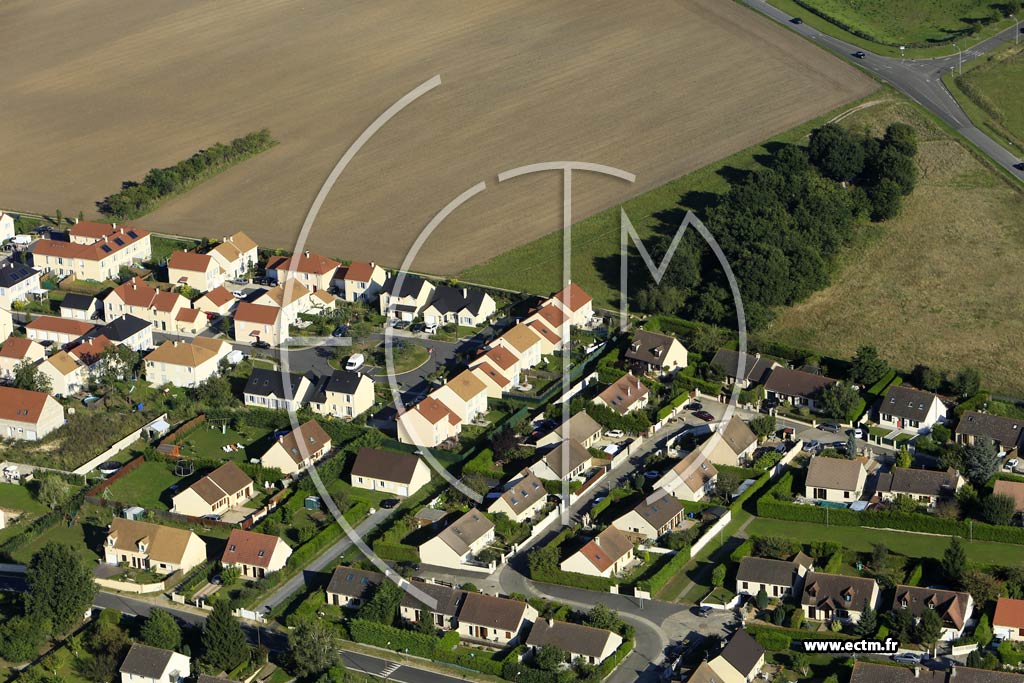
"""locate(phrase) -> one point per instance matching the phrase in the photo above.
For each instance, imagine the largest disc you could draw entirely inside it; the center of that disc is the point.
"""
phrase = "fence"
(780, 466)
(712, 531)
(116, 448)
(98, 489)
(131, 587)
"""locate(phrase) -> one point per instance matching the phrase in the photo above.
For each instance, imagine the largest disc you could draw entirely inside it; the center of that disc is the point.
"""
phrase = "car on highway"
(389, 503)
(1020, 166)
(355, 361)
(796, 20)
(260, 344)
(704, 415)
(860, 54)
(1011, 464)
(907, 658)
(615, 434)
(830, 427)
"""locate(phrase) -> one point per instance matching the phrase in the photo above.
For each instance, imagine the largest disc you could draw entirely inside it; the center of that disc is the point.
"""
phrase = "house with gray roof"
(351, 587)
(777, 578)
(796, 387)
(1004, 432)
(756, 367)
(658, 514)
(836, 596)
(910, 410)
(145, 664)
(442, 615)
(579, 642)
(926, 487)
(494, 620)
(954, 607)
(652, 352)
(741, 659)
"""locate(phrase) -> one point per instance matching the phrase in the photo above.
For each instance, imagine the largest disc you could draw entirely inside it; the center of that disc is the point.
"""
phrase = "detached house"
(67, 376)
(524, 343)
(351, 587)
(16, 350)
(145, 664)
(28, 415)
(926, 487)
(777, 578)
(266, 388)
(690, 479)
(344, 394)
(465, 395)
(405, 302)
(298, 449)
(312, 270)
(910, 410)
(400, 474)
(198, 271)
(796, 387)
(235, 255)
(255, 555)
(579, 642)
(1004, 432)
(1008, 621)
(186, 364)
(460, 542)
(80, 307)
(741, 659)
(580, 427)
(442, 615)
(954, 607)
(459, 305)
(650, 352)
(730, 445)
(360, 281)
(575, 303)
(225, 488)
(17, 282)
(522, 499)
(624, 395)
(835, 479)
(755, 368)
(658, 514)
(490, 619)
(162, 549)
(607, 554)
(259, 323)
(429, 423)
(564, 461)
(835, 596)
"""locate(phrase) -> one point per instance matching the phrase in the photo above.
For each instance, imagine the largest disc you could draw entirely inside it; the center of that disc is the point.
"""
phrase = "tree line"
(782, 227)
(137, 199)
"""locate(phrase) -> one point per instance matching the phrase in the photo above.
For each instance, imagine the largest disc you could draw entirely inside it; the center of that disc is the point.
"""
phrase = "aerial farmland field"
(130, 86)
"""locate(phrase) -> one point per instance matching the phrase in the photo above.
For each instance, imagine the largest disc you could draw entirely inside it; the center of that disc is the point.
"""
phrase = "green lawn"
(14, 497)
(207, 441)
(990, 92)
(537, 267)
(83, 539)
(147, 486)
(862, 539)
(163, 246)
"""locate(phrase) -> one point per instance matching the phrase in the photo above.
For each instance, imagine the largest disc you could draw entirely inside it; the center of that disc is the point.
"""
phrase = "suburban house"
(580, 427)
(926, 487)
(351, 587)
(266, 388)
(835, 479)
(955, 607)
(607, 554)
(28, 415)
(162, 549)
(465, 395)
(1008, 621)
(405, 302)
(732, 445)
(524, 343)
(691, 478)
(97, 252)
(429, 423)
(312, 270)
(1004, 432)
(259, 323)
(579, 642)
(17, 282)
(292, 299)
(522, 498)
(503, 363)
(400, 474)
(651, 352)
(564, 461)
(160, 308)
(216, 302)
(344, 394)
(17, 350)
(494, 381)
(740, 661)
(575, 303)
(255, 555)
(459, 305)
(796, 387)
(460, 542)
(360, 281)
(67, 376)
(658, 514)
(490, 619)
(80, 306)
(867, 672)
(835, 596)
(1013, 489)
(186, 364)
(777, 578)
(198, 271)
(910, 410)
(90, 353)
(59, 331)
(442, 615)
(755, 367)
(225, 488)
(551, 317)
(624, 395)
(550, 341)
(7, 230)
(145, 664)
(127, 330)
(6, 323)
(235, 255)
(298, 449)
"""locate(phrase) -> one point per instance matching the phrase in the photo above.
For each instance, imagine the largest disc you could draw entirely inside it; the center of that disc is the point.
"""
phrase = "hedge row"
(666, 571)
(751, 491)
(396, 552)
(381, 635)
(39, 525)
(794, 633)
(563, 578)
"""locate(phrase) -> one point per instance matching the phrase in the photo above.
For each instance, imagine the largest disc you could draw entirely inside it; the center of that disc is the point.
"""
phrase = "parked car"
(239, 281)
(857, 432)
(340, 331)
(389, 503)
(830, 427)
(615, 434)
(860, 54)
(704, 415)
(811, 445)
(695, 406)
(355, 361)
(652, 474)
(1020, 166)
(260, 344)
(431, 328)
(702, 610)
(1011, 464)
(907, 658)
(238, 294)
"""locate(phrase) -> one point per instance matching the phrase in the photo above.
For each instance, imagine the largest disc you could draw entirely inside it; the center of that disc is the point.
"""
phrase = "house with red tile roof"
(198, 271)
(624, 395)
(218, 301)
(1008, 622)
(96, 251)
(60, 331)
(502, 361)
(254, 554)
(607, 555)
(429, 423)
(312, 270)
(28, 415)
(258, 322)
(17, 350)
(360, 281)
(138, 298)
(575, 303)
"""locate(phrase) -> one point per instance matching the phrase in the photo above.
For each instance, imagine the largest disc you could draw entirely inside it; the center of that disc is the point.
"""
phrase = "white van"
(355, 361)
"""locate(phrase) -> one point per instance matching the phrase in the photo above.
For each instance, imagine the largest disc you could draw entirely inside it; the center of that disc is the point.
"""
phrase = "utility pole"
(960, 58)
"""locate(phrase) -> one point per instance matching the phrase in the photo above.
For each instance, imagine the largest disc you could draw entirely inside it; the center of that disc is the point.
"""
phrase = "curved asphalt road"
(919, 79)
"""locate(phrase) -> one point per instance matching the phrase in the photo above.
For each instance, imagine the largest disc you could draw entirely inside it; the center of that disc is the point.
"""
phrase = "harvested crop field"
(659, 88)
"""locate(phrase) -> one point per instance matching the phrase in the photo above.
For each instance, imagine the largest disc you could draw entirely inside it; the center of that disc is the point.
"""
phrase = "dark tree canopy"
(60, 586)
(223, 640)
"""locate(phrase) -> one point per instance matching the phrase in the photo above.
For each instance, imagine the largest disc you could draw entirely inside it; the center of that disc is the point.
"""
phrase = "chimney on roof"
(174, 343)
(597, 541)
(551, 622)
(76, 221)
(306, 253)
(113, 225)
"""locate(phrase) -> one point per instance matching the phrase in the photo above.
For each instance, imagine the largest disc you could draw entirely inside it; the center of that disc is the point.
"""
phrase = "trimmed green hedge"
(381, 635)
(794, 633)
(773, 640)
(743, 550)
(396, 552)
(666, 571)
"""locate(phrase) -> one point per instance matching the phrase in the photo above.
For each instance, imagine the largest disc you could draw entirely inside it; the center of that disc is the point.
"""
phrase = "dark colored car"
(860, 54)
(704, 415)
(797, 20)
(401, 324)
(695, 406)
(830, 427)
(260, 344)
(1020, 166)
(389, 503)
(340, 331)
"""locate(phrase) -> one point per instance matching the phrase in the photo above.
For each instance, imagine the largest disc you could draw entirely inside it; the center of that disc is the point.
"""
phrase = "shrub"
(773, 639)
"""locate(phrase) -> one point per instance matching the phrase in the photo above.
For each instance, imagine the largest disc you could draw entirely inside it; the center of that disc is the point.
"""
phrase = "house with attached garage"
(28, 415)
(836, 596)
(796, 387)
(186, 364)
(221, 490)
(442, 614)
(298, 449)
(161, 549)
(198, 271)
(236, 255)
(344, 394)
(255, 555)
(910, 410)
(607, 555)
(1008, 621)
(954, 607)
(17, 350)
(127, 330)
(756, 368)
(351, 587)
(835, 479)
(777, 578)
(974, 426)
(575, 303)
(145, 664)
(458, 544)
(522, 499)
(465, 395)
(654, 353)
(459, 305)
(690, 479)
(259, 323)
(580, 427)
(399, 474)
(926, 487)
(80, 307)
(17, 282)
(624, 395)
(732, 445)
(267, 389)
(315, 272)
(360, 281)
(489, 619)
(658, 514)
(740, 661)
(524, 343)
(59, 331)
(162, 309)
(405, 300)
(429, 423)
(579, 643)
(564, 461)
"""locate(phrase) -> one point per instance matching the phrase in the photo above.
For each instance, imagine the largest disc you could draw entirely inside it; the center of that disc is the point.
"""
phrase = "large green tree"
(60, 586)
(838, 400)
(838, 153)
(28, 376)
(550, 657)
(954, 561)
(867, 366)
(382, 607)
(161, 630)
(314, 647)
(928, 628)
(867, 626)
(998, 509)
(223, 640)
(981, 462)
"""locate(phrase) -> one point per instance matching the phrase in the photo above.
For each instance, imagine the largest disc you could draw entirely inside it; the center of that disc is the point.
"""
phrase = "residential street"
(919, 79)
